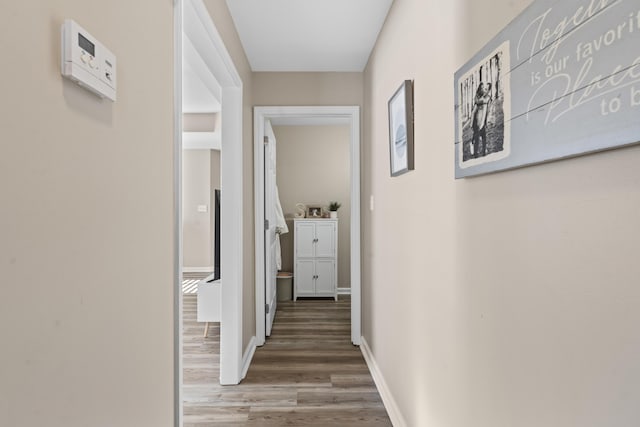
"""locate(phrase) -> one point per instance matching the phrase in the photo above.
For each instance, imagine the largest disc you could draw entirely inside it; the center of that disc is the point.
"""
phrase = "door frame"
(192, 18)
(316, 115)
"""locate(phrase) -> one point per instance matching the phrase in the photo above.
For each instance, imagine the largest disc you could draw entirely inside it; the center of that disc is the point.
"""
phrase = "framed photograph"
(314, 212)
(401, 129)
(484, 112)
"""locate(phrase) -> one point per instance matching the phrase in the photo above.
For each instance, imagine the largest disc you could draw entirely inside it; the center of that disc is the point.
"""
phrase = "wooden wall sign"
(561, 80)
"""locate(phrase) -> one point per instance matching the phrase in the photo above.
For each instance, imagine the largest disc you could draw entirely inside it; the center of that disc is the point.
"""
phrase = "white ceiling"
(199, 87)
(308, 35)
(196, 96)
(286, 35)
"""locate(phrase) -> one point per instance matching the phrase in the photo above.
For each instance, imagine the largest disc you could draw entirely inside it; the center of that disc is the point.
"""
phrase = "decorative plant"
(334, 206)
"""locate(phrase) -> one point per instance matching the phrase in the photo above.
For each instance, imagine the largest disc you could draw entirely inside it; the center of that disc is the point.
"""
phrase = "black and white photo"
(401, 129)
(484, 110)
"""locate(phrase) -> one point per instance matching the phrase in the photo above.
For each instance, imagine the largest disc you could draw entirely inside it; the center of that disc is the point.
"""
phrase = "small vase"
(333, 214)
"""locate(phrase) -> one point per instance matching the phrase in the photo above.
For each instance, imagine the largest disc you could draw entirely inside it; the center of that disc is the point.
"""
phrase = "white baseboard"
(248, 356)
(344, 291)
(387, 398)
(197, 269)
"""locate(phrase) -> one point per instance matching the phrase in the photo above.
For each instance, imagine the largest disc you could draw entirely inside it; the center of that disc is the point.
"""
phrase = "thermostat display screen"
(86, 45)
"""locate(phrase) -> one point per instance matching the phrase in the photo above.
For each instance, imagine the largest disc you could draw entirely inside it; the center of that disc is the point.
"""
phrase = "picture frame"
(540, 105)
(483, 118)
(401, 141)
(314, 211)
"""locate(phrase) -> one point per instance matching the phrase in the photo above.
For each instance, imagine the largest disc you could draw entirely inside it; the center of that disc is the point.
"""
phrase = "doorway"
(349, 115)
(192, 21)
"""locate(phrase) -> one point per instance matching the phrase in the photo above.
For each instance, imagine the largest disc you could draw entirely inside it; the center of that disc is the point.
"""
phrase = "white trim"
(387, 398)
(343, 291)
(177, 210)
(311, 121)
(231, 238)
(248, 356)
(194, 63)
(330, 113)
(258, 191)
(197, 269)
(205, 38)
(356, 265)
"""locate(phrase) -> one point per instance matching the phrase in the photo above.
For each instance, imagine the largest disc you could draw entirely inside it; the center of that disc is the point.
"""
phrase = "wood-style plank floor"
(307, 374)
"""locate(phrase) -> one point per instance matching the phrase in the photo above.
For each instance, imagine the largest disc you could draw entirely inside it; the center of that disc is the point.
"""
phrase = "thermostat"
(87, 62)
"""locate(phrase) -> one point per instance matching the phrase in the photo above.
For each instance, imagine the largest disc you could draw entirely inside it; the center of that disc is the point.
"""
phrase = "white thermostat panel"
(87, 62)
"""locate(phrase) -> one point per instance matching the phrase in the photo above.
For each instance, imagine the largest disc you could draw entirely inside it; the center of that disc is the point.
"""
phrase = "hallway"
(307, 374)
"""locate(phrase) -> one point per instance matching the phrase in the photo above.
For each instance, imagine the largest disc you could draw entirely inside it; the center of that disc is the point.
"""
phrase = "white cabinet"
(305, 273)
(316, 258)
(209, 300)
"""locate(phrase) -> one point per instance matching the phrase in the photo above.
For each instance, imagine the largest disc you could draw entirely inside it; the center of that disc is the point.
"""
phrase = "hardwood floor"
(307, 373)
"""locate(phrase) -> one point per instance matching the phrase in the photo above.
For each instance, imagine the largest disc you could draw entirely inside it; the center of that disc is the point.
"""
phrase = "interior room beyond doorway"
(348, 116)
(313, 169)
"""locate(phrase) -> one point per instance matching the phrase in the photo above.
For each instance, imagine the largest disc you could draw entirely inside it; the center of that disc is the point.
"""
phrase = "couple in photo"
(479, 120)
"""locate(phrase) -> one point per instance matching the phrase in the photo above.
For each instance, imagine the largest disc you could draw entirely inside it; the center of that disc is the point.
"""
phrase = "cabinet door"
(305, 236)
(304, 277)
(326, 239)
(325, 276)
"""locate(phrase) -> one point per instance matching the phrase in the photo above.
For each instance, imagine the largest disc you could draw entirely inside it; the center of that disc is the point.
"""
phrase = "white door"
(270, 242)
(305, 240)
(305, 278)
(325, 277)
(325, 240)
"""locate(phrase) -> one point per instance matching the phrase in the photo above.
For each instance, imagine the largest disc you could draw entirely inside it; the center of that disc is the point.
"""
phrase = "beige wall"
(224, 24)
(200, 176)
(514, 296)
(293, 89)
(200, 122)
(313, 167)
(87, 246)
(196, 226)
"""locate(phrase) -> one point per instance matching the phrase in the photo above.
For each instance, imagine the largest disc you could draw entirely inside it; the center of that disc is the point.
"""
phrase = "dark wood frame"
(312, 208)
